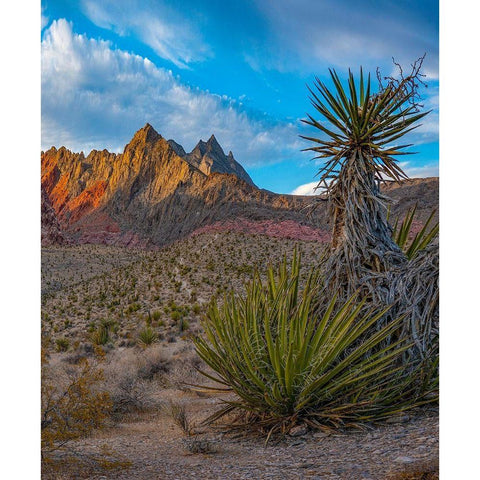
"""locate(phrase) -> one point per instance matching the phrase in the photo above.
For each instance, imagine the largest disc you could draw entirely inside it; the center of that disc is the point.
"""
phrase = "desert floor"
(168, 290)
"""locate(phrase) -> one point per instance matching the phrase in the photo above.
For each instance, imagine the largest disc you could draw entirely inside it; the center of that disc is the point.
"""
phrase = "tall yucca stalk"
(360, 129)
(289, 362)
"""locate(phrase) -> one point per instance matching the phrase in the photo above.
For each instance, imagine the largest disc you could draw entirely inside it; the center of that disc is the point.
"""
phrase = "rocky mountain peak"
(209, 157)
(147, 134)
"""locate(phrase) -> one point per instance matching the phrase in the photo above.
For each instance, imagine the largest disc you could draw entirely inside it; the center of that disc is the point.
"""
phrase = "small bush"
(100, 336)
(183, 325)
(147, 336)
(133, 377)
(72, 404)
(62, 344)
(179, 416)
(196, 309)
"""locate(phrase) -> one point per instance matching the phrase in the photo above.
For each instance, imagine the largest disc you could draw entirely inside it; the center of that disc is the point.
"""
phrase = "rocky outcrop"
(209, 157)
(52, 234)
(153, 193)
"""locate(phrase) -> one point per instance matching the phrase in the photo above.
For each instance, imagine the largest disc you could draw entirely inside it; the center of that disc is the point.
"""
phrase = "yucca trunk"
(362, 242)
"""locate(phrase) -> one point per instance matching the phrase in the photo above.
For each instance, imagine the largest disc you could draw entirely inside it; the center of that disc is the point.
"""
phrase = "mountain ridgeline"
(155, 193)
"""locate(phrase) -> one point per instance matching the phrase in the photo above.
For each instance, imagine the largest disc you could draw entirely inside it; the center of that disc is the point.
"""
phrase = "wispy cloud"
(160, 27)
(44, 19)
(343, 32)
(96, 96)
(420, 171)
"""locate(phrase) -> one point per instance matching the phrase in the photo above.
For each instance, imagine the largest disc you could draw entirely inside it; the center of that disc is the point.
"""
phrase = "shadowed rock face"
(209, 157)
(153, 193)
(52, 233)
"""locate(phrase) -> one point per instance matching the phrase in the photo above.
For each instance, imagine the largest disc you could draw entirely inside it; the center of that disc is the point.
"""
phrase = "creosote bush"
(290, 360)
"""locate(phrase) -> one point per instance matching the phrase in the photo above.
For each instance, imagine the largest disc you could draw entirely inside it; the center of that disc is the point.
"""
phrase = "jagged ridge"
(155, 193)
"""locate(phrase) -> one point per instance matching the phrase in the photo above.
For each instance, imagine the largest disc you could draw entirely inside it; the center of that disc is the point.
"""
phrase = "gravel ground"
(157, 449)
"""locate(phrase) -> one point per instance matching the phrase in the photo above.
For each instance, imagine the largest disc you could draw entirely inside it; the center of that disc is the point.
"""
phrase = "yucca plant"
(360, 130)
(147, 336)
(403, 237)
(289, 362)
(101, 335)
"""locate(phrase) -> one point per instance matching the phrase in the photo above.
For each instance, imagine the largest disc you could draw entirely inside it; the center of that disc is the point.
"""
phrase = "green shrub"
(290, 362)
(101, 336)
(62, 344)
(183, 325)
(196, 309)
(147, 336)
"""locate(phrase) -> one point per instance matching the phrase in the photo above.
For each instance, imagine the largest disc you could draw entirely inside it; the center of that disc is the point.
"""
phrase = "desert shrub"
(147, 336)
(183, 325)
(129, 394)
(129, 379)
(62, 344)
(178, 412)
(290, 360)
(101, 335)
(196, 309)
(72, 405)
(156, 315)
(152, 363)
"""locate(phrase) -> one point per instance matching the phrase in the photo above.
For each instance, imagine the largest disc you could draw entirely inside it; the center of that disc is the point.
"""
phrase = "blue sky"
(237, 69)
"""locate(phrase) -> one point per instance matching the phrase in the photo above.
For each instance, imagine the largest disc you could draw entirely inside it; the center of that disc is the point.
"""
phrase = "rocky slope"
(52, 233)
(154, 193)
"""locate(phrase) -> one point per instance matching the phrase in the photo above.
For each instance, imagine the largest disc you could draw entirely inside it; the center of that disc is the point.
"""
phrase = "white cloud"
(95, 96)
(422, 171)
(305, 189)
(156, 25)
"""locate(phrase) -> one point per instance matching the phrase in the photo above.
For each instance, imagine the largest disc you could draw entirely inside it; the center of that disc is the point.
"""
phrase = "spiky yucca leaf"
(402, 233)
(288, 361)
